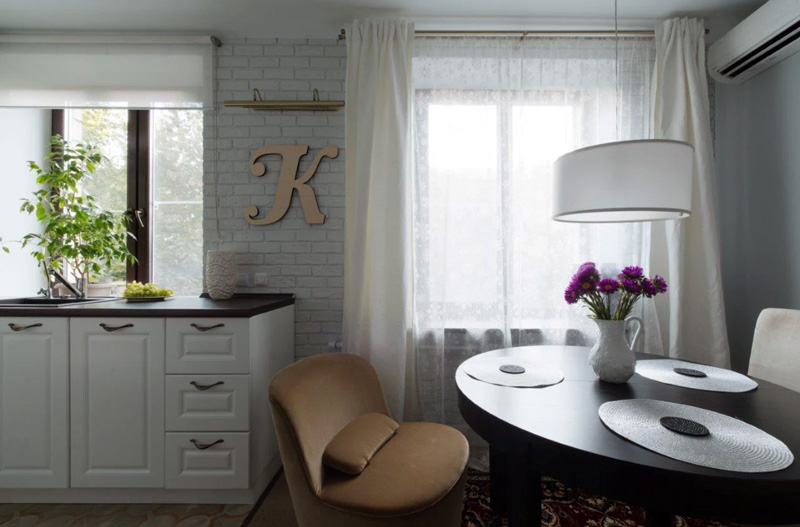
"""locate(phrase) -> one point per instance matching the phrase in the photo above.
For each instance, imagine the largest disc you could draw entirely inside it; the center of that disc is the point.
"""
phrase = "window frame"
(138, 190)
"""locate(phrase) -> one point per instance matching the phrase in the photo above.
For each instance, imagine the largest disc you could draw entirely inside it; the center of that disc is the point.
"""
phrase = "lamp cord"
(216, 153)
(616, 71)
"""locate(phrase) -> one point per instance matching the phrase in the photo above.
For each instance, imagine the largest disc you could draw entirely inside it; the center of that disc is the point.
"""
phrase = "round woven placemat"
(534, 376)
(730, 445)
(714, 379)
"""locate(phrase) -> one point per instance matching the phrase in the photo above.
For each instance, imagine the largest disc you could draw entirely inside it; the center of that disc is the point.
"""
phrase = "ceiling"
(324, 18)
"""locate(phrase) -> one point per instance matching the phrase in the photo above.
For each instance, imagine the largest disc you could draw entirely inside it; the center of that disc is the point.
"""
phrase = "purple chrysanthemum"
(571, 294)
(649, 288)
(587, 276)
(660, 283)
(631, 286)
(608, 286)
(587, 269)
(634, 272)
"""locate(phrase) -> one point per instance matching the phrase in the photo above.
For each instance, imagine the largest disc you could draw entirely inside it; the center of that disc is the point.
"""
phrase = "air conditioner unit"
(760, 41)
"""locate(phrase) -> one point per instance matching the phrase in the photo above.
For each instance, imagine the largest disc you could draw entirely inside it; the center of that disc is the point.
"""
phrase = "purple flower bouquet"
(596, 292)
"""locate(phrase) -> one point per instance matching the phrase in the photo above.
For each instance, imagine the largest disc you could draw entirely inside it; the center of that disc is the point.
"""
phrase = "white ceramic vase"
(611, 358)
(220, 274)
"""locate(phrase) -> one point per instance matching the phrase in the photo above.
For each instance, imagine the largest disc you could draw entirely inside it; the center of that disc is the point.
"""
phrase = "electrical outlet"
(261, 278)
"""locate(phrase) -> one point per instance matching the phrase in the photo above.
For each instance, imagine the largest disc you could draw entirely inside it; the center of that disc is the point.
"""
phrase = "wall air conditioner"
(760, 41)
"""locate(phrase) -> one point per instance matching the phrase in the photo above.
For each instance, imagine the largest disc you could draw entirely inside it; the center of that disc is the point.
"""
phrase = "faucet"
(58, 276)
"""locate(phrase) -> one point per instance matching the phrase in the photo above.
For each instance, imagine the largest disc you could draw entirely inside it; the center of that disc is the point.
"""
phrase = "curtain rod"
(533, 33)
(103, 39)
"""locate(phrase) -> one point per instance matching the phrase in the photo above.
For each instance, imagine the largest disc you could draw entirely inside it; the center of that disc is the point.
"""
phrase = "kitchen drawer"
(208, 402)
(207, 460)
(208, 345)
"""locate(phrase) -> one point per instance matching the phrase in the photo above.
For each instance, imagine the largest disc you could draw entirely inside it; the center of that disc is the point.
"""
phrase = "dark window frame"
(138, 191)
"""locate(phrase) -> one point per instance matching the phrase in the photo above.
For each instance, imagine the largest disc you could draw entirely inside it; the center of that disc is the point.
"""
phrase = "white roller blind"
(73, 71)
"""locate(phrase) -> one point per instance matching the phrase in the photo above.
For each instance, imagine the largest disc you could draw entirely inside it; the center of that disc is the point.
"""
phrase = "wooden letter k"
(288, 183)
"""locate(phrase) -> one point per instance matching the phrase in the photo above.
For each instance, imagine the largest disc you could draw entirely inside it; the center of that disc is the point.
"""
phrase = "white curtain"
(490, 266)
(696, 329)
(377, 256)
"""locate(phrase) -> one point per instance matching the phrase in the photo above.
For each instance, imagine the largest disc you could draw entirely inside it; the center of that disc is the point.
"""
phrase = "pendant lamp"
(624, 181)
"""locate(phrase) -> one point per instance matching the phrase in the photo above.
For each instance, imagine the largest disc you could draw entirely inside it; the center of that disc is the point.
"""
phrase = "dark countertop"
(244, 305)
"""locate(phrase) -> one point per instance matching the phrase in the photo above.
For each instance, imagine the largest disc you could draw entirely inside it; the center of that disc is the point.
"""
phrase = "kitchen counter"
(244, 305)
(155, 402)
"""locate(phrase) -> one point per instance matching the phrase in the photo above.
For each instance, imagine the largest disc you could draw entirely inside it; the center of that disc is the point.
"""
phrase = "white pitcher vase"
(611, 358)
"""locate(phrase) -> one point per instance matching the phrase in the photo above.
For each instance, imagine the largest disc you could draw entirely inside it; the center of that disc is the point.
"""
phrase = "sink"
(52, 302)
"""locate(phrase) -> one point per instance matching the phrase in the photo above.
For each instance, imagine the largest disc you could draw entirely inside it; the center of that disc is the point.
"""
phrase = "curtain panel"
(377, 214)
(490, 266)
(696, 329)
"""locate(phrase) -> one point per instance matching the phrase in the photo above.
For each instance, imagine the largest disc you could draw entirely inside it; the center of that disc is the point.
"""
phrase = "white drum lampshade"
(625, 181)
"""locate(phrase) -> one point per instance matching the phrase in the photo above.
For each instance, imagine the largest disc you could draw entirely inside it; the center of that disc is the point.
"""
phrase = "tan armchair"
(415, 479)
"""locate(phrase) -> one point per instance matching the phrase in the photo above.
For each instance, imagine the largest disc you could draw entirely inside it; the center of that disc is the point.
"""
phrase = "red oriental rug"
(562, 506)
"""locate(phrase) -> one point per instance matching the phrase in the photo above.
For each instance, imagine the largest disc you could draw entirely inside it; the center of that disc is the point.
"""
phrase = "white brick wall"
(289, 256)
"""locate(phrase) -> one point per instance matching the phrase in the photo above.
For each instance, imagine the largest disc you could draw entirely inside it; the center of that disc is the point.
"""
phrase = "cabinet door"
(117, 402)
(34, 425)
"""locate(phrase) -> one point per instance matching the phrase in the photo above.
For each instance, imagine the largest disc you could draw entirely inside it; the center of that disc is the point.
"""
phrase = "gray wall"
(758, 177)
(289, 256)
(24, 136)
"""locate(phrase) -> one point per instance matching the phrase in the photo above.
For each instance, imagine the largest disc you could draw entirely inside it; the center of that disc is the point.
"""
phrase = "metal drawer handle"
(115, 328)
(206, 328)
(201, 446)
(203, 387)
(15, 327)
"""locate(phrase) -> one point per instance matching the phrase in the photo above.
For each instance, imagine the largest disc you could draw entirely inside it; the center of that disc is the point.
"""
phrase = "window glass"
(174, 214)
(108, 130)
(464, 190)
(177, 200)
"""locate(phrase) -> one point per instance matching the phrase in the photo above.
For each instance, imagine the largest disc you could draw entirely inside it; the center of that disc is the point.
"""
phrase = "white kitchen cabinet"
(129, 407)
(34, 384)
(117, 402)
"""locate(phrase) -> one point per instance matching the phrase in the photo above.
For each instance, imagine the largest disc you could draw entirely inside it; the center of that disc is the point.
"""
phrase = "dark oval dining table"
(556, 431)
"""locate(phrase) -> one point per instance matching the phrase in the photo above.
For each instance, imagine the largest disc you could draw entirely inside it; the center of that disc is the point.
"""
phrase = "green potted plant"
(76, 232)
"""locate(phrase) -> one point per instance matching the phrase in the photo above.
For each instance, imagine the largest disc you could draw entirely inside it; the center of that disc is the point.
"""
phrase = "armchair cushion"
(355, 444)
(421, 464)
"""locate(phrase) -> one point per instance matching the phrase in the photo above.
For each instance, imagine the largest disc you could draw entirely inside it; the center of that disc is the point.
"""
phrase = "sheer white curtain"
(490, 266)
(377, 259)
(696, 329)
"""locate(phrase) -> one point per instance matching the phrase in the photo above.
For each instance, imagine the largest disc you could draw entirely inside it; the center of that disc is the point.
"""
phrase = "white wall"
(24, 136)
(758, 179)
(289, 256)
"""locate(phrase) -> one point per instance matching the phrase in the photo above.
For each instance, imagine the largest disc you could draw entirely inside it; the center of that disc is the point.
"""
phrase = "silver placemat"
(535, 375)
(731, 444)
(716, 379)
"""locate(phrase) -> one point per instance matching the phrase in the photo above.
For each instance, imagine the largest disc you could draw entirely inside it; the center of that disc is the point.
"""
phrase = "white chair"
(775, 356)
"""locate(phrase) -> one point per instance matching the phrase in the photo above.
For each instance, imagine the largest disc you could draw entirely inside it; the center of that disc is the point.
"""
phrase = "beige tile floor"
(121, 515)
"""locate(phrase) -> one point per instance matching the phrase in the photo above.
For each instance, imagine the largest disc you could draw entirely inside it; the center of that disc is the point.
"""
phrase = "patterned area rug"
(563, 506)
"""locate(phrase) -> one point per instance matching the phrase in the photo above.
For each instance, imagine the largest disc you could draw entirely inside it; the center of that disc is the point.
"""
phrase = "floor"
(124, 515)
(276, 510)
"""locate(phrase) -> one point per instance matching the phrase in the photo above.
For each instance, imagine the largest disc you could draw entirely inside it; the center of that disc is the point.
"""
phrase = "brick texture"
(289, 256)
